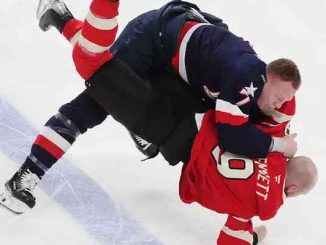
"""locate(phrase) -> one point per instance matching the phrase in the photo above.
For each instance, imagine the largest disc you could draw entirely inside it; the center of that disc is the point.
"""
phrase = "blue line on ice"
(77, 193)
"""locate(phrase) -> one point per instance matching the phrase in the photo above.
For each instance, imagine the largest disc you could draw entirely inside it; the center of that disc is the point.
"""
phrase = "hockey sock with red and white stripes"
(56, 137)
(92, 38)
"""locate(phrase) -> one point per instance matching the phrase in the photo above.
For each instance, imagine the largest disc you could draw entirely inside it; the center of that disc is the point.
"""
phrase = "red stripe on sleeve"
(227, 118)
(238, 226)
(183, 32)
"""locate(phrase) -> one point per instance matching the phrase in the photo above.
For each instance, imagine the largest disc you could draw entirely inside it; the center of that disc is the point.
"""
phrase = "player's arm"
(244, 139)
(236, 132)
(240, 231)
(236, 231)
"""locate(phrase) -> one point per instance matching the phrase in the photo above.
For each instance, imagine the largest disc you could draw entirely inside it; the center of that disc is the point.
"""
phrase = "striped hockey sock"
(92, 38)
(57, 136)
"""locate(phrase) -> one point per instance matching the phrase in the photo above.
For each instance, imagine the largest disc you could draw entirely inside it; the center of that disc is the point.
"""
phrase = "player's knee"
(86, 62)
(64, 127)
(83, 112)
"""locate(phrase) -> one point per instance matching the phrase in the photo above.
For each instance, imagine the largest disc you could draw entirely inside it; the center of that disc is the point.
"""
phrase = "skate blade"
(12, 204)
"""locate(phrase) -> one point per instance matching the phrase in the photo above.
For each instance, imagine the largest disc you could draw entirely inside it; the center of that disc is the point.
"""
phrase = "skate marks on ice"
(79, 195)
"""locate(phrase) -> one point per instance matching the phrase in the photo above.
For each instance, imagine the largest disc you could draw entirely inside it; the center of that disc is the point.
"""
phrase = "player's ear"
(291, 190)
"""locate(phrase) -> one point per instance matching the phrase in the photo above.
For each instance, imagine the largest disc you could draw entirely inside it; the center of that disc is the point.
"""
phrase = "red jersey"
(233, 184)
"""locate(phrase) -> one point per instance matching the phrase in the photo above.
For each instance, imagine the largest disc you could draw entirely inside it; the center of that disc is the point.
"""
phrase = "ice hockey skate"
(52, 13)
(18, 192)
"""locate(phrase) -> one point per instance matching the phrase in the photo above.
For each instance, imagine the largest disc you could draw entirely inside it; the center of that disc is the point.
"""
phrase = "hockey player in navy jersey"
(156, 42)
(216, 64)
(162, 107)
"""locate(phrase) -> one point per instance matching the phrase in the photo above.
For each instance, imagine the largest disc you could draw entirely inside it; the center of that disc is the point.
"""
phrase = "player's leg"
(177, 146)
(165, 118)
(142, 59)
(56, 137)
(140, 108)
(55, 13)
(91, 39)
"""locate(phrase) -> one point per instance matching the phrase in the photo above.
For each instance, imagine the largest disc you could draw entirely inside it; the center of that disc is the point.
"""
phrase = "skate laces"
(28, 180)
(144, 144)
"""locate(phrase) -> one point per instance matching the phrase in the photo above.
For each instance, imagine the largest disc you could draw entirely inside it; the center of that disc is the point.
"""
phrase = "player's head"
(301, 176)
(283, 80)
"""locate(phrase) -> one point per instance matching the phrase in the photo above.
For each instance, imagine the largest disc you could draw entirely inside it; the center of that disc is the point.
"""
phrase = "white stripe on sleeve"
(183, 49)
(240, 234)
(225, 106)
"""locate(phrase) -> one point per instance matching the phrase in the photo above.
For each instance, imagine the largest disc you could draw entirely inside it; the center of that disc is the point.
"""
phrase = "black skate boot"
(53, 13)
(148, 149)
(18, 194)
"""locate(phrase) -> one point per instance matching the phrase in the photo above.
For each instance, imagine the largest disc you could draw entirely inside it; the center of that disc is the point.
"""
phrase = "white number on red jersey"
(232, 166)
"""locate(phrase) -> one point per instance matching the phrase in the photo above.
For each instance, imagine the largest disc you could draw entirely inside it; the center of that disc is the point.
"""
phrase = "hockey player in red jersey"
(239, 186)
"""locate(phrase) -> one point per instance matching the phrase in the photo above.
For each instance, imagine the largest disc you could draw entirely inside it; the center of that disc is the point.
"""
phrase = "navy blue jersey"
(212, 60)
(225, 68)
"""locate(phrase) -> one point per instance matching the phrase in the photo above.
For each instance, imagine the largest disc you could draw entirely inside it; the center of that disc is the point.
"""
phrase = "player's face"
(275, 92)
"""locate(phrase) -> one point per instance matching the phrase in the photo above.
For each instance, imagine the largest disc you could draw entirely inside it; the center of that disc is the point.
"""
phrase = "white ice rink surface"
(101, 193)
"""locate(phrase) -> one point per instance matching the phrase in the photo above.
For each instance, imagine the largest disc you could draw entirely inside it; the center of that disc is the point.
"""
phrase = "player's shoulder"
(249, 70)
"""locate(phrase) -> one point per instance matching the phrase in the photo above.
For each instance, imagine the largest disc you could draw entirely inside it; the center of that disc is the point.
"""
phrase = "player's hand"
(261, 232)
(290, 145)
(286, 145)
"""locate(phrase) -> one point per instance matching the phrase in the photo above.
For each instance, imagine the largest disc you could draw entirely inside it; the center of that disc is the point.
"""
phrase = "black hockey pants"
(161, 111)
